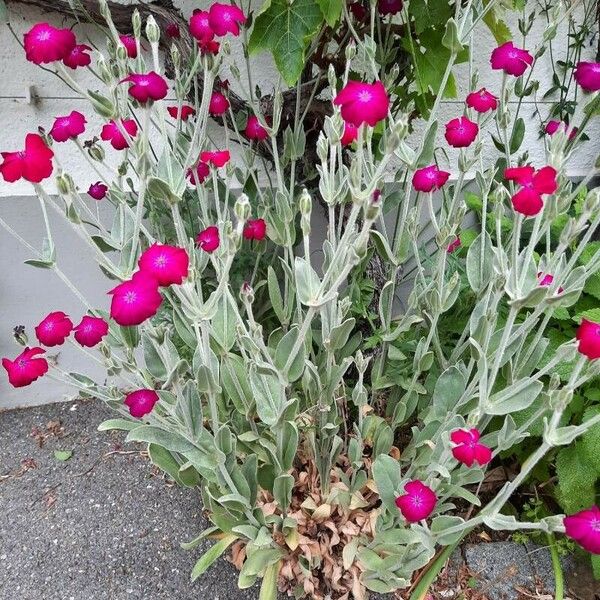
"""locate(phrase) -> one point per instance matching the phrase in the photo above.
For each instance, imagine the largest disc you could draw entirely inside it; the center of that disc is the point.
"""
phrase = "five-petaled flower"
(218, 104)
(418, 502)
(141, 402)
(68, 127)
(45, 44)
(208, 239)
(78, 57)
(146, 86)
(111, 132)
(254, 130)
(510, 59)
(255, 229)
(97, 190)
(33, 164)
(200, 27)
(90, 331)
(199, 173)
(584, 528)
(167, 264)
(225, 18)
(429, 179)
(363, 103)
(534, 184)
(217, 158)
(461, 132)
(482, 101)
(130, 45)
(54, 329)
(350, 134)
(135, 300)
(587, 75)
(25, 368)
(468, 448)
(553, 127)
(588, 334)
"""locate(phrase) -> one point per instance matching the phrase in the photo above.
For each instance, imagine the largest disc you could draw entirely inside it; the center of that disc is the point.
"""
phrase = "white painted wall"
(27, 294)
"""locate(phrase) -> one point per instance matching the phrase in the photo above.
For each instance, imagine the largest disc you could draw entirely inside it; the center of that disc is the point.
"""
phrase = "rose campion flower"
(363, 103)
(588, 334)
(225, 18)
(453, 246)
(468, 449)
(584, 528)
(26, 368)
(218, 104)
(90, 331)
(32, 164)
(111, 133)
(255, 229)
(167, 264)
(97, 190)
(199, 173)
(510, 59)
(200, 27)
(186, 111)
(350, 134)
(546, 280)
(68, 127)
(208, 239)
(54, 329)
(389, 7)
(45, 44)
(141, 402)
(78, 57)
(358, 10)
(429, 179)
(461, 132)
(173, 31)
(130, 45)
(553, 126)
(135, 300)
(418, 502)
(254, 130)
(209, 47)
(587, 75)
(146, 86)
(482, 101)
(218, 158)
(528, 200)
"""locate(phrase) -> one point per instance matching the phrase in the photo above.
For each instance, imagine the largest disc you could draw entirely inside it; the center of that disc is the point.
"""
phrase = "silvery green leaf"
(307, 280)
(386, 300)
(518, 396)
(449, 388)
(152, 358)
(338, 336)
(451, 39)
(269, 395)
(275, 295)
(480, 262)
(234, 377)
(404, 325)
(211, 555)
(444, 522)
(207, 384)
(282, 490)
(223, 324)
(382, 247)
(120, 424)
(387, 476)
(283, 355)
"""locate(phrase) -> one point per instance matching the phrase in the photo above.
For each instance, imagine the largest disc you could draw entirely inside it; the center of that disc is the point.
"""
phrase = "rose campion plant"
(238, 357)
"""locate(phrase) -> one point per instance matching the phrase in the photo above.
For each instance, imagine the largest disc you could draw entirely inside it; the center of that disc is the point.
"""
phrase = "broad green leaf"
(164, 460)
(480, 262)
(269, 395)
(449, 388)
(498, 27)
(307, 280)
(268, 589)
(211, 555)
(332, 10)
(518, 396)
(283, 354)
(387, 476)
(122, 424)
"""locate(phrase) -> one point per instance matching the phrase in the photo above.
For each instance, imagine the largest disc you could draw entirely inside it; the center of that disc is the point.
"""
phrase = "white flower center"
(364, 96)
(130, 297)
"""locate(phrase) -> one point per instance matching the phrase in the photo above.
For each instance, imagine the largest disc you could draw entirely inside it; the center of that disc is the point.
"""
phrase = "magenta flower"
(218, 104)
(482, 101)
(546, 280)
(166, 264)
(350, 134)
(528, 200)
(218, 158)
(208, 239)
(33, 164)
(429, 178)
(511, 60)
(199, 173)
(186, 111)
(461, 132)
(452, 246)
(90, 331)
(97, 190)
(141, 402)
(358, 10)
(389, 7)
(588, 334)
(209, 47)
(54, 329)
(225, 18)
(135, 300)
(45, 44)
(173, 31)
(255, 229)
(78, 57)
(147, 86)
(200, 27)
(130, 45)
(254, 130)
(418, 502)
(111, 133)
(68, 127)
(553, 126)
(26, 367)
(363, 103)
(587, 75)
(584, 528)
(468, 449)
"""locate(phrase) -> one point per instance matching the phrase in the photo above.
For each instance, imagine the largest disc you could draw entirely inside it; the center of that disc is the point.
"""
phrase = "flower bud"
(96, 153)
(175, 57)
(20, 335)
(592, 202)
(242, 208)
(152, 30)
(373, 207)
(305, 202)
(64, 184)
(350, 50)
(305, 225)
(121, 53)
(331, 78)
(136, 22)
(104, 70)
(322, 147)
(247, 293)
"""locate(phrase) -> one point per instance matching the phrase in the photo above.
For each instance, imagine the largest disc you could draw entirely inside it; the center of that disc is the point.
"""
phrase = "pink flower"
(68, 127)
(358, 10)
(553, 126)
(173, 31)
(218, 158)
(26, 367)
(363, 103)
(418, 502)
(33, 164)
(429, 178)
(130, 45)
(254, 130)
(468, 449)
(208, 239)
(78, 57)
(255, 229)
(90, 331)
(225, 18)
(461, 132)
(528, 200)
(511, 60)
(218, 104)
(482, 101)
(546, 280)
(199, 173)
(588, 334)
(111, 133)
(209, 47)
(587, 75)
(45, 44)
(166, 264)
(135, 300)
(200, 27)
(584, 528)
(350, 134)
(141, 402)
(389, 7)
(54, 329)
(455, 245)
(186, 111)
(147, 86)
(97, 190)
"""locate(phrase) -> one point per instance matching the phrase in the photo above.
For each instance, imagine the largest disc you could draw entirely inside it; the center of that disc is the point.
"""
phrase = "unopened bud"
(175, 57)
(152, 30)
(96, 153)
(64, 184)
(374, 205)
(247, 293)
(242, 208)
(305, 202)
(121, 53)
(136, 22)
(350, 50)
(20, 335)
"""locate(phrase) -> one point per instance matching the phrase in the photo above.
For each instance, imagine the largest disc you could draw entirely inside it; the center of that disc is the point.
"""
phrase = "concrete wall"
(27, 294)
